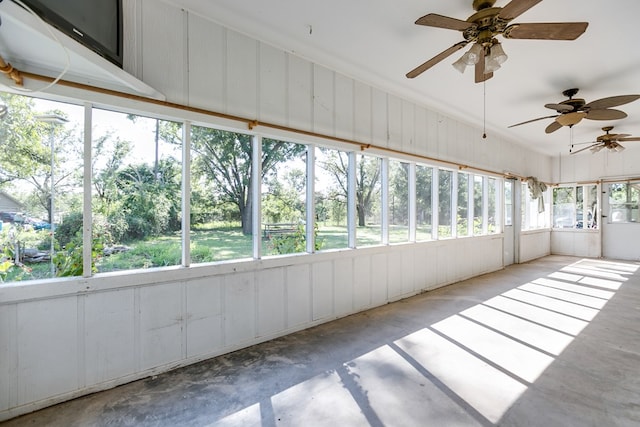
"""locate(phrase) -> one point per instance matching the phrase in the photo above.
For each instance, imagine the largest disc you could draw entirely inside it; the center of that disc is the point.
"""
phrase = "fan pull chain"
(484, 109)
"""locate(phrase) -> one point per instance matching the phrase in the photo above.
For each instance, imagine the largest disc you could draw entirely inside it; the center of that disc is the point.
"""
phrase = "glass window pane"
(591, 206)
(564, 207)
(221, 221)
(284, 189)
(136, 200)
(463, 205)
(508, 203)
(398, 201)
(424, 176)
(478, 204)
(445, 191)
(331, 198)
(368, 201)
(492, 208)
(624, 202)
(41, 168)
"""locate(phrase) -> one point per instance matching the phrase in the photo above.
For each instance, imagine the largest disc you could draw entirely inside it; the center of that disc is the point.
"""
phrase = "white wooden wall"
(67, 338)
(534, 244)
(586, 243)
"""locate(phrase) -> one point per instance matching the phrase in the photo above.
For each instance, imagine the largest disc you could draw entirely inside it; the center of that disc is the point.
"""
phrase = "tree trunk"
(361, 216)
(247, 217)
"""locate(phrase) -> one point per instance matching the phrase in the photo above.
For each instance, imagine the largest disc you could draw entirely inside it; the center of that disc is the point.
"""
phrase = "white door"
(509, 256)
(621, 220)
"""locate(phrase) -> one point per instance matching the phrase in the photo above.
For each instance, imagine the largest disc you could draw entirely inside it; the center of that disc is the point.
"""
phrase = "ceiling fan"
(481, 29)
(610, 141)
(571, 111)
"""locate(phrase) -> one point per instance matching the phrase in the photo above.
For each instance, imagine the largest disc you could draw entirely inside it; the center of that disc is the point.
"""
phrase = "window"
(398, 201)
(508, 203)
(624, 200)
(221, 214)
(493, 222)
(535, 212)
(368, 201)
(284, 189)
(479, 203)
(331, 172)
(445, 203)
(136, 201)
(424, 176)
(575, 207)
(463, 205)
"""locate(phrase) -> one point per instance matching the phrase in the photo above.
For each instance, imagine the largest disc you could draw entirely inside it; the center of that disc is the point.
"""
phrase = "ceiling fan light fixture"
(460, 64)
(490, 65)
(497, 53)
(596, 148)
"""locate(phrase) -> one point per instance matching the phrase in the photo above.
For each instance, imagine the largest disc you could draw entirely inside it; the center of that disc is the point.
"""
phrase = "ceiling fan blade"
(570, 119)
(439, 21)
(481, 76)
(546, 30)
(585, 148)
(516, 8)
(612, 101)
(605, 114)
(554, 126)
(534, 120)
(433, 61)
(560, 108)
(633, 138)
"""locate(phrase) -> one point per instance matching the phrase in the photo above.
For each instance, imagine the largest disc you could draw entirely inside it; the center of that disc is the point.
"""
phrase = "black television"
(96, 24)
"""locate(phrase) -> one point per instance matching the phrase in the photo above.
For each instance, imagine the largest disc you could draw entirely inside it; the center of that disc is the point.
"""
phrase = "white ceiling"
(376, 41)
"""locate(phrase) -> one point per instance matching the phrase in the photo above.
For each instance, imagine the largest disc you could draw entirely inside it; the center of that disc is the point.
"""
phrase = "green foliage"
(68, 262)
(295, 242)
(70, 227)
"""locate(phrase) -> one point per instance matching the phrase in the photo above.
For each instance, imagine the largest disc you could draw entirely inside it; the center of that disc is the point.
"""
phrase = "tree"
(26, 152)
(224, 159)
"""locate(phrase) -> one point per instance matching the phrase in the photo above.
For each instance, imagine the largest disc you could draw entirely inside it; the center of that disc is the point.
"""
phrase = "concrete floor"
(554, 342)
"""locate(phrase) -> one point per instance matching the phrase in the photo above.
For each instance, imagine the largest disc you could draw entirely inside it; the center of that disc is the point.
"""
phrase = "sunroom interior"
(255, 170)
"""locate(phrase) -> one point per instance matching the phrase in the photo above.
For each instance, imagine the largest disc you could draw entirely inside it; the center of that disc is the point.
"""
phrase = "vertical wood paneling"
(322, 285)
(379, 118)
(207, 64)
(271, 302)
(379, 279)
(204, 316)
(298, 295)
(431, 264)
(323, 100)
(47, 348)
(8, 357)
(432, 132)
(343, 286)
(109, 335)
(344, 99)
(394, 111)
(272, 85)
(408, 273)
(131, 37)
(242, 84)
(421, 133)
(395, 275)
(408, 127)
(363, 113)
(362, 283)
(163, 59)
(239, 308)
(160, 324)
(300, 93)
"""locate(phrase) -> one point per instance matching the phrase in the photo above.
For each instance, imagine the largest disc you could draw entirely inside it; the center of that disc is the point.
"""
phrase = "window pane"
(492, 226)
(445, 191)
(463, 204)
(368, 201)
(508, 202)
(284, 189)
(624, 202)
(331, 198)
(398, 201)
(478, 204)
(424, 176)
(41, 172)
(564, 207)
(136, 200)
(591, 206)
(221, 221)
